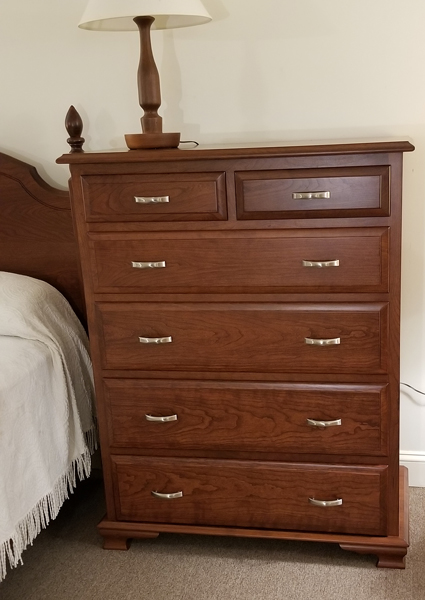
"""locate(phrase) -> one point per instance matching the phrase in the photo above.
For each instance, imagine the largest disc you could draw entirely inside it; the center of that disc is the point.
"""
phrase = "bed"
(47, 421)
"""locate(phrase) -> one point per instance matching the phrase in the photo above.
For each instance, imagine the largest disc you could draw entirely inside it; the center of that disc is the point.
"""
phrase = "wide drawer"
(155, 197)
(251, 494)
(320, 260)
(312, 193)
(229, 416)
(316, 338)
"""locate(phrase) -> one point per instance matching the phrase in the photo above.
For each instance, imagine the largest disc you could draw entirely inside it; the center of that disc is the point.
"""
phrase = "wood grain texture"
(245, 337)
(250, 494)
(393, 554)
(352, 192)
(238, 307)
(36, 231)
(268, 262)
(247, 417)
(272, 150)
(383, 546)
(201, 196)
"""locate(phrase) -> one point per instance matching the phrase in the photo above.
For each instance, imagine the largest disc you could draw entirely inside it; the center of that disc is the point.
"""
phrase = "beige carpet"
(67, 562)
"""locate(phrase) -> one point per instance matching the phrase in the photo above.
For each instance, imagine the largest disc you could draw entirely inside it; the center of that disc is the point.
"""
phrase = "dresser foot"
(112, 542)
(118, 536)
(393, 561)
(390, 558)
(391, 553)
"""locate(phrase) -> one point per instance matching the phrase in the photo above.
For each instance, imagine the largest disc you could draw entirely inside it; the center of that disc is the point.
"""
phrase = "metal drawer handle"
(151, 199)
(148, 265)
(315, 423)
(167, 496)
(167, 419)
(159, 340)
(320, 342)
(325, 503)
(310, 195)
(320, 263)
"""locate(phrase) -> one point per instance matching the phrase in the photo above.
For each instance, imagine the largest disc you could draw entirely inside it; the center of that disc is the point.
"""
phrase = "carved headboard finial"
(74, 126)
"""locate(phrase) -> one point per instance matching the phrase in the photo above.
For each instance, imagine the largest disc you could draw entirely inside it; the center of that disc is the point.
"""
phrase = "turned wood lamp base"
(149, 97)
(140, 141)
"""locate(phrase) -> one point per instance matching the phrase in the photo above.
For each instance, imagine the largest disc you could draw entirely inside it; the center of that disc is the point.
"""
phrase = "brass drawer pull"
(167, 496)
(151, 199)
(159, 340)
(325, 503)
(323, 342)
(148, 265)
(322, 424)
(320, 263)
(167, 419)
(310, 195)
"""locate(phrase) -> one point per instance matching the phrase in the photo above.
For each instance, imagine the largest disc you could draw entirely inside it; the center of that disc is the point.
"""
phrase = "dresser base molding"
(390, 550)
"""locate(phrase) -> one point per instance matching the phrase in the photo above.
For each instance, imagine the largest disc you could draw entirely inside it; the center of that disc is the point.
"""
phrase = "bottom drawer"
(252, 494)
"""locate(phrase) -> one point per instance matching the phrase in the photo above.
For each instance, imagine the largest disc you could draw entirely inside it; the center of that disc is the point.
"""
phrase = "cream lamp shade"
(144, 15)
(118, 15)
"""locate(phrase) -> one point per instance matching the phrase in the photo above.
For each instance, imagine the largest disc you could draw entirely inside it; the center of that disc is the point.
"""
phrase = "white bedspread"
(47, 430)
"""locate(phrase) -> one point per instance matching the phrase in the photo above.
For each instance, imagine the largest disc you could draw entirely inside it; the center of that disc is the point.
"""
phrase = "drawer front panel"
(158, 197)
(329, 260)
(316, 338)
(312, 193)
(302, 418)
(251, 494)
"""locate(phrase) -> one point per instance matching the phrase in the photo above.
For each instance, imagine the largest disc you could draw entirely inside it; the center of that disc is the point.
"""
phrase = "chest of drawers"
(243, 309)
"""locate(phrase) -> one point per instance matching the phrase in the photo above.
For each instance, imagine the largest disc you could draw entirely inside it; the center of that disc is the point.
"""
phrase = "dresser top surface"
(223, 151)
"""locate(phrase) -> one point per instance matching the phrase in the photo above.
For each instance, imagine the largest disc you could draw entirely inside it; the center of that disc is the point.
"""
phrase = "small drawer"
(238, 417)
(351, 260)
(315, 338)
(155, 197)
(251, 494)
(313, 193)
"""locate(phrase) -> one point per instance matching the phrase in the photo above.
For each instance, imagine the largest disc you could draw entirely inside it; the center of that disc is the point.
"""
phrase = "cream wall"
(276, 70)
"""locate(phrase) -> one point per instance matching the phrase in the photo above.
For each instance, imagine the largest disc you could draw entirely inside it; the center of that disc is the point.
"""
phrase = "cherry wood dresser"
(243, 309)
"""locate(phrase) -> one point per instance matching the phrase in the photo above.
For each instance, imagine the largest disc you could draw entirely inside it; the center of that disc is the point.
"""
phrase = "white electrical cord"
(412, 388)
(416, 399)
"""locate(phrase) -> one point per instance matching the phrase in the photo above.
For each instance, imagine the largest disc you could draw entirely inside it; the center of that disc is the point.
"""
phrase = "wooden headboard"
(36, 231)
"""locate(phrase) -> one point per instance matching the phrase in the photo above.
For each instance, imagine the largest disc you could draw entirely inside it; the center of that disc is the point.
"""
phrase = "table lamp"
(144, 15)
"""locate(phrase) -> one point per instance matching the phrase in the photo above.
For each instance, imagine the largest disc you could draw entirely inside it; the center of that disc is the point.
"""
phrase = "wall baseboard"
(415, 462)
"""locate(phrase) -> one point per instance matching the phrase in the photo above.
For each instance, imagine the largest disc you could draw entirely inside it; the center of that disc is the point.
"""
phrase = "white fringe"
(47, 508)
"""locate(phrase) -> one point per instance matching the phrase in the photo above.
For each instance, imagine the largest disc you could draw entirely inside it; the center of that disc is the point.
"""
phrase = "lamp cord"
(412, 388)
